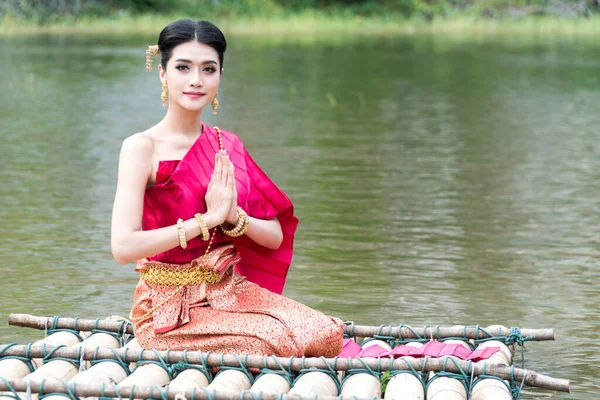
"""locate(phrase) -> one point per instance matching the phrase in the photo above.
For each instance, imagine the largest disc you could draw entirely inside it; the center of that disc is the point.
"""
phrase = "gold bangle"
(204, 235)
(239, 224)
(235, 232)
(245, 227)
(241, 227)
(181, 233)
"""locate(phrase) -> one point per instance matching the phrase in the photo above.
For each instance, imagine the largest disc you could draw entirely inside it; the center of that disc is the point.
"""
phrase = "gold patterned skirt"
(231, 316)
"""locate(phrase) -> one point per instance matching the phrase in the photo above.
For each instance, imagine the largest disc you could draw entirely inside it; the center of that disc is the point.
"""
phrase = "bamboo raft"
(82, 358)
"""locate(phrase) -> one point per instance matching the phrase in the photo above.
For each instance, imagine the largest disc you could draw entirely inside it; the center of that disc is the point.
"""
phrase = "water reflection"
(438, 180)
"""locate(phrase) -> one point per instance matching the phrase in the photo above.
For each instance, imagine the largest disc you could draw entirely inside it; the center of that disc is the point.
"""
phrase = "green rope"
(391, 372)
(117, 360)
(364, 369)
(119, 334)
(361, 369)
(11, 389)
(53, 329)
(462, 338)
(349, 330)
(115, 388)
(164, 394)
(419, 338)
(255, 396)
(48, 356)
(512, 387)
(181, 366)
(461, 376)
(329, 370)
(516, 391)
(515, 337)
(26, 359)
(70, 390)
(210, 394)
(379, 336)
(241, 368)
(131, 392)
(285, 374)
(160, 362)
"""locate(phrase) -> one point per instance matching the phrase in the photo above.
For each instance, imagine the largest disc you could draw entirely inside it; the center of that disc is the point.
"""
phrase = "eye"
(181, 67)
(211, 70)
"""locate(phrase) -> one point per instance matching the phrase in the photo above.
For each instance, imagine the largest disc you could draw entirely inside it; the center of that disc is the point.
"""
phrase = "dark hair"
(186, 30)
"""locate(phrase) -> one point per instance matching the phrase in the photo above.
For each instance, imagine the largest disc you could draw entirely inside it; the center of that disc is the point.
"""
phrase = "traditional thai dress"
(238, 308)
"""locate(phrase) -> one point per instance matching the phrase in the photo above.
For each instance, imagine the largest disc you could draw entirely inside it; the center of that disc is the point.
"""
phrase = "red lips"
(195, 95)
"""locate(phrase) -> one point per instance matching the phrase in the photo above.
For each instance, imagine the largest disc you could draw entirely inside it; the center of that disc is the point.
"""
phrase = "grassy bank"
(312, 22)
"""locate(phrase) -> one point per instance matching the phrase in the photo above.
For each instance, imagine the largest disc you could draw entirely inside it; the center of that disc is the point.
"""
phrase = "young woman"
(212, 234)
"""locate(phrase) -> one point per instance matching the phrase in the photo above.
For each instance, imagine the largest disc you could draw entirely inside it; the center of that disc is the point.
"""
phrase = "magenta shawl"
(179, 193)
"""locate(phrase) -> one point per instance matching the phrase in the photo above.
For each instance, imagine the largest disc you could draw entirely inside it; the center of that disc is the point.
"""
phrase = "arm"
(266, 233)
(128, 242)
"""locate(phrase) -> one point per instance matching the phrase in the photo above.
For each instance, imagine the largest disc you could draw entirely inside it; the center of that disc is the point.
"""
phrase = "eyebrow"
(190, 62)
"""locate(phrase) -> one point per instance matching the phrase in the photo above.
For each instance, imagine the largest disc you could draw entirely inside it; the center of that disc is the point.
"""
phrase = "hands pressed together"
(221, 195)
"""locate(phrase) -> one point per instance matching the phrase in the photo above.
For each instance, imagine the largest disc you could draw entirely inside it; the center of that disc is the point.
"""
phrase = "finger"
(232, 167)
(224, 169)
(223, 172)
(218, 169)
(230, 179)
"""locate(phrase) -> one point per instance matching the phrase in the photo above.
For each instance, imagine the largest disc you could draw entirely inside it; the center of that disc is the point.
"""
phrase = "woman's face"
(193, 75)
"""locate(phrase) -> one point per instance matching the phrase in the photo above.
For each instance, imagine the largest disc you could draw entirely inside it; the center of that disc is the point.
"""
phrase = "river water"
(438, 179)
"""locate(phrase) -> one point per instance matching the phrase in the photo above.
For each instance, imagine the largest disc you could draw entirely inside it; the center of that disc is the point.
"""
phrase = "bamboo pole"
(43, 323)
(152, 392)
(531, 378)
(31, 321)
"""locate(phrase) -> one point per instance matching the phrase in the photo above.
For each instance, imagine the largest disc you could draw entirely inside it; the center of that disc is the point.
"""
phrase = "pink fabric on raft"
(179, 193)
(430, 349)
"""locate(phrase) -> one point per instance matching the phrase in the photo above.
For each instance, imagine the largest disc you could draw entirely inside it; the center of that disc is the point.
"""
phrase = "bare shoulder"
(140, 144)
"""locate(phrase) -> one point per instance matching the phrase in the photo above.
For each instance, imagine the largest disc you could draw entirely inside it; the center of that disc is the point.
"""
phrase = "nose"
(196, 79)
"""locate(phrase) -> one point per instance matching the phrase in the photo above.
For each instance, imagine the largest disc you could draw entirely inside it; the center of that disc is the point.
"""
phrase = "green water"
(438, 180)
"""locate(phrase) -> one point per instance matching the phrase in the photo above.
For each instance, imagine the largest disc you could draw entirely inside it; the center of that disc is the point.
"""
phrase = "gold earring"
(215, 104)
(164, 95)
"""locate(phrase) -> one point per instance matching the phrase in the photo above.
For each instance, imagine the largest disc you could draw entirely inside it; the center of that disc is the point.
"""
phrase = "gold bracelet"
(245, 227)
(235, 232)
(181, 233)
(204, 235)
(239, 224)
(238, 227)
(241, 227)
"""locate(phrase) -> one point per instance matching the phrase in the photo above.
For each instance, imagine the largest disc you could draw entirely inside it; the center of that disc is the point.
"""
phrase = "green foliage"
(48, 11)
(385, 378)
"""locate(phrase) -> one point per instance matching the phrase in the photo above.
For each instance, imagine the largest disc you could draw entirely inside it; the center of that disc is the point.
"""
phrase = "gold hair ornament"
(151, 51)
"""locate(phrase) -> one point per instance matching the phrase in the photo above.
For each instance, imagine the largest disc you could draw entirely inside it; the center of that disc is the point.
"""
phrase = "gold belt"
(167, 276)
